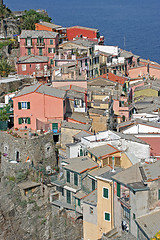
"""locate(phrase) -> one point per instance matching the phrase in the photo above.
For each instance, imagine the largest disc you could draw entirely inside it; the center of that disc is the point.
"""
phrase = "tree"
(31, 17)
(5, 68)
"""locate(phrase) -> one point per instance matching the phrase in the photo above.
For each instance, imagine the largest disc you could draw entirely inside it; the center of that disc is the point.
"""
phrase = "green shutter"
(118, 190)
(28, 120)
(93, 185)
(28, 105)
(81, 152)
(40, 51)
(31, 41)
(51, 42)
(53, 50)
(107, 216)
(76, 179)
(105, 192)
(159, 194)
(68, 197)
(68, 176)
(19, 105)
(26, 41)
(20, 120)
(51, 61)
(49, 50)
(79, 202)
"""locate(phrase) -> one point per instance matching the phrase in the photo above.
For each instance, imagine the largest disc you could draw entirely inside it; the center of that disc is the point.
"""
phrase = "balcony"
(28, 45)
(40, 44)
(125, 199)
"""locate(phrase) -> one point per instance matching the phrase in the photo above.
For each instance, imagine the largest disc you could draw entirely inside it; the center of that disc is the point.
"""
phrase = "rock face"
(33, 220)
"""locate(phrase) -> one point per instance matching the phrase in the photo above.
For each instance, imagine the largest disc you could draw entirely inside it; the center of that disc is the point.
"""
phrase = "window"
(51, 61)
(40, 51)
(40, 40)
(118, 190)
(29, 51)
(126, 212)
(91, 210)
(68, 176)
(37, 66)
(158, 194)
(75, 179)
(81, 152)
(28, 41)
(51, 41)
(79, 202)
(51, 50)
(93, 185)
(105, 192)
(24, 120)
(107, 216)
(24, 67)
(23, 105)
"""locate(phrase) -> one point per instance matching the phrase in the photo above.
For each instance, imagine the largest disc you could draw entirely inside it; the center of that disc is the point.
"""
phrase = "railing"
(42, 44)
(125, 201)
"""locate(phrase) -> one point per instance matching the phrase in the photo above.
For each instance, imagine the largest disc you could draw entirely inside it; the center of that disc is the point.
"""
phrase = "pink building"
(140, 71)
(39, 107)
(37, 66)
(39, 43)
(122, 108)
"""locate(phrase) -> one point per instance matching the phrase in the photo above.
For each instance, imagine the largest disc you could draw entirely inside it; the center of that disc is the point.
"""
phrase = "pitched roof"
(87, 28)
(38, 88)
(139, 121)
(150, 223)
(79, 117)
(51, 91)
(33, 59)
(50, 25)
(103, 150)
(74, 88)
(80, 164)
(100, 82)
(38, 33)
(137, 173)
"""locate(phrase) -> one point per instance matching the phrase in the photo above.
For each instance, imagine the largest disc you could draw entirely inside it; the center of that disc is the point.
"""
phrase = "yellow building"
(98, 215)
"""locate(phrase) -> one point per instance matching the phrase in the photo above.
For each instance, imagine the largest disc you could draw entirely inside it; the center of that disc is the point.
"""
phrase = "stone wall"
(12, 86)
(40, 150)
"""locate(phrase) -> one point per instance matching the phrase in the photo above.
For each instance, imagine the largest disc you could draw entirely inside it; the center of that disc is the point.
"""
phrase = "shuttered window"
(68, 176)
(79, 202)
(107, 216)
(118, 190)
(76, 179)
(159, 194)
(93, 185)
(105, 192)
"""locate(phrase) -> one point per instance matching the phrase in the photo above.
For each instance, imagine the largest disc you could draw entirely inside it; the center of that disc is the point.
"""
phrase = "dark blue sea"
(136, 20)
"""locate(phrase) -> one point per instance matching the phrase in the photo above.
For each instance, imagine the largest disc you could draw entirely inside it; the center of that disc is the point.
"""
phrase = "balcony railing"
(125, 200)
(40, 44)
